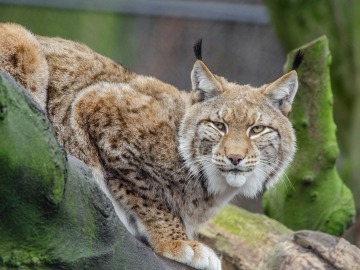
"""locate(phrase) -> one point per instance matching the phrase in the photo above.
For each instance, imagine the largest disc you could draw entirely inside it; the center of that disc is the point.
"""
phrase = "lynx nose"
(235, 158)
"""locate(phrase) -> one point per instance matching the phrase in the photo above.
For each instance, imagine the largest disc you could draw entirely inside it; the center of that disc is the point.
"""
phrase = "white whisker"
(273, 166)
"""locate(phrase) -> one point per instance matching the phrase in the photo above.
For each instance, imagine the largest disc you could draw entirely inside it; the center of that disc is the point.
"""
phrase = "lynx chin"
(168, 159)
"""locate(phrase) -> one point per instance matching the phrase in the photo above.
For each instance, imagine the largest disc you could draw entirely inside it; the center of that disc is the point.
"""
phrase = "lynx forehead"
(167, 159)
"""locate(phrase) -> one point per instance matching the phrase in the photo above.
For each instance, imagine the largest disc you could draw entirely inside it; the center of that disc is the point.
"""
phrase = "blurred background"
(243, 40)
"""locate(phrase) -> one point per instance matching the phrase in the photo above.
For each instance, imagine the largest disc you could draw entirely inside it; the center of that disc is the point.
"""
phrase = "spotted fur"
(167, 159)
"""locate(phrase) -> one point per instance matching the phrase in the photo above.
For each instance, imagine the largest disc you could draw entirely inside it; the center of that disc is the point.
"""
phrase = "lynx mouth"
(236, 171)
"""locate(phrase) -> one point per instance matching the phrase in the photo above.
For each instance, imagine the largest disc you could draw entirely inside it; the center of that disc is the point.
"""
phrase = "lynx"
(168, 159)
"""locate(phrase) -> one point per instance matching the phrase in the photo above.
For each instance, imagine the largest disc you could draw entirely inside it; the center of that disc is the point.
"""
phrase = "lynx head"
(238, 136)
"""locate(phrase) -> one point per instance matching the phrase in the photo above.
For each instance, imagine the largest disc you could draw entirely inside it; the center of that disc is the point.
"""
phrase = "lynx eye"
(257, 129)
(220, 126)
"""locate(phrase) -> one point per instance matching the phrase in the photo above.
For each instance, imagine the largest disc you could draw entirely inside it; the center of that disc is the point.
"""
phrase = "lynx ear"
(282, 91)
(204, 83)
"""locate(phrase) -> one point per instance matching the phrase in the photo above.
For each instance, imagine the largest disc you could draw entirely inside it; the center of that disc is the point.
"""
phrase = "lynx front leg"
(167, 236)
(154, 222)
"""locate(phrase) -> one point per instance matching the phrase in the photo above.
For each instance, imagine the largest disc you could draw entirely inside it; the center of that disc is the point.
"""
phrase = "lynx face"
(238, 136)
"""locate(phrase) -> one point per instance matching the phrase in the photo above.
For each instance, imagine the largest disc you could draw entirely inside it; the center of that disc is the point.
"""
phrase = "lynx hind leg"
(22, 58)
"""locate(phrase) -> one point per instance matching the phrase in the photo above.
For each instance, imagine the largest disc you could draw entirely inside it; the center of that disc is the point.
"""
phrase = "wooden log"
(250, 241)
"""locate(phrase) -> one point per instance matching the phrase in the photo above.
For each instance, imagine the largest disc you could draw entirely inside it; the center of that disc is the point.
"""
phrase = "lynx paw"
(192, 253)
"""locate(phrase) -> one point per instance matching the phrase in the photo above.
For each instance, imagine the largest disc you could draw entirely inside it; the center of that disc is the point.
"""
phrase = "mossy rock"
(53, 215)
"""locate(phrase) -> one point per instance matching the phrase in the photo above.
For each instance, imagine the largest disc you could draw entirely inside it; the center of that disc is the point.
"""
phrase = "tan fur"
(30, 70)
(167, 159)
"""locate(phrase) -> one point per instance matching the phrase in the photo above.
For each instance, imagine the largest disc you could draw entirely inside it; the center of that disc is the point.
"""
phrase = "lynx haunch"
(167, 159)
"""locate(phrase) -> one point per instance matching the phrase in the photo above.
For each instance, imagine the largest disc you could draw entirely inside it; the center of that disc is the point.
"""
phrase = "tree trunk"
(316, 198)
(298, 22)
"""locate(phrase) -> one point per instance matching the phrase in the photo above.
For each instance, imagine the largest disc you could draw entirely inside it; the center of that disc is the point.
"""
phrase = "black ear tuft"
(197, 49)
(297, 60)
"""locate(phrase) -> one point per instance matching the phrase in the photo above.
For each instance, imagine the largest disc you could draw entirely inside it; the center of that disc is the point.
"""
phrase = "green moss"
(18, 150)
(319, 195)
(22, 258)
(239, 222)
(23, 203)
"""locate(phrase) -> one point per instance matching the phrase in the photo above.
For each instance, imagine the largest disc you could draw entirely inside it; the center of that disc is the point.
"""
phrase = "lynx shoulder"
(167, 159)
